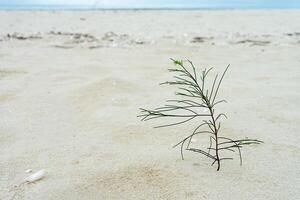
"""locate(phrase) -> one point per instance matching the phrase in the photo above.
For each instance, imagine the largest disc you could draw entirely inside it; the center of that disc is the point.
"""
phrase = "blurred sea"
(148, 4)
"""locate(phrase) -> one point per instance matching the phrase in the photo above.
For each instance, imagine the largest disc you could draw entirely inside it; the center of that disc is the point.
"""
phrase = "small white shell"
(36, 176)
(28, 171)
(193, 140)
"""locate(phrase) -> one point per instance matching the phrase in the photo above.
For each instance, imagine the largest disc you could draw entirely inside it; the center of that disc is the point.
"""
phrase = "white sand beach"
(72, 83)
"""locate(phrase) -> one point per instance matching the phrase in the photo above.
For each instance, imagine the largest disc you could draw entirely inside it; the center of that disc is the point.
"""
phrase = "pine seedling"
(195, 96)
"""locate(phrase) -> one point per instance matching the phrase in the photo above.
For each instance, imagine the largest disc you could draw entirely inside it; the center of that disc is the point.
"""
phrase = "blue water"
(146, 4)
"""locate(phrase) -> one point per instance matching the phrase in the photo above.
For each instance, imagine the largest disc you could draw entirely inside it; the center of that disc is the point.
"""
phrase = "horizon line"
(92, 7)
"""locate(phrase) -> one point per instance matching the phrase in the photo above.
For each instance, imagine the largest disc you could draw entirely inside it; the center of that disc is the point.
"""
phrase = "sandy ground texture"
(71, 84)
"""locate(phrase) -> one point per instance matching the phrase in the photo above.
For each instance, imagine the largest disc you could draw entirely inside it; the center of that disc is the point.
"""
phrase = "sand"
(71, 84)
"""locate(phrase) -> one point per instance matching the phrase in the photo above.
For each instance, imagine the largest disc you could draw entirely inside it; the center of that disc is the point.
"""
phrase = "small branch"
(197, 94)
(216, 92)
(162, 126)
(202, 152)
